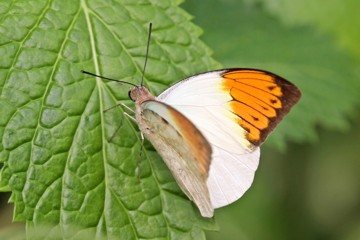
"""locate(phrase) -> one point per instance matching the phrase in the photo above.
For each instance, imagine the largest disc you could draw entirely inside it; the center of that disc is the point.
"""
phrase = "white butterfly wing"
(234, 160)
(235, 109)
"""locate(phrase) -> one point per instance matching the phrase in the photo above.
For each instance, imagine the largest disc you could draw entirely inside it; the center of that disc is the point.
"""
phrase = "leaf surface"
(58, 161)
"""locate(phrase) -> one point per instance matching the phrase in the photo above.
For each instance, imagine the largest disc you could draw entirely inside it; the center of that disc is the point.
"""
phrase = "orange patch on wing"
(250, 115)
(259, 99)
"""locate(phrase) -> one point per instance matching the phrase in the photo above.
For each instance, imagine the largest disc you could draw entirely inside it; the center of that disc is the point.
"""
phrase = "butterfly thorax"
(140, 94)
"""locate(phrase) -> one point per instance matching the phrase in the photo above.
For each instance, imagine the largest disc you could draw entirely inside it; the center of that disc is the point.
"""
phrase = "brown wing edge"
(291, 95)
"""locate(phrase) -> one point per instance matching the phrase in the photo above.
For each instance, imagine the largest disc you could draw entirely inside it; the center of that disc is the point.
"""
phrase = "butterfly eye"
(134, 93)
(131, 95)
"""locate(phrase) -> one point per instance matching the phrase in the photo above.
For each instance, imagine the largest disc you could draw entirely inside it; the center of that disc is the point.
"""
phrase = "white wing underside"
(234, 159)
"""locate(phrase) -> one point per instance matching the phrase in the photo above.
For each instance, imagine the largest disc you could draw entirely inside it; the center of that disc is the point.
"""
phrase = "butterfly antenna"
(110, 79)
(147, 54)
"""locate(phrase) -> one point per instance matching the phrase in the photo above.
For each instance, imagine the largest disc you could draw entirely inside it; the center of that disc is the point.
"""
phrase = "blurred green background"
(307, 185)
(310, 188)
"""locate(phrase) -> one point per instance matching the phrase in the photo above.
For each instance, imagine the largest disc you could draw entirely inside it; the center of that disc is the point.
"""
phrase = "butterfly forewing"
(235, 109)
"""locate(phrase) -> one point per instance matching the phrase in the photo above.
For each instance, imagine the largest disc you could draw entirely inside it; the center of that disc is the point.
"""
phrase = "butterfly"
(208, 128)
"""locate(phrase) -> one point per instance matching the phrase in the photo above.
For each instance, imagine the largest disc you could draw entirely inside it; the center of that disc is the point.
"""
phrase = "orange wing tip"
(259, 99)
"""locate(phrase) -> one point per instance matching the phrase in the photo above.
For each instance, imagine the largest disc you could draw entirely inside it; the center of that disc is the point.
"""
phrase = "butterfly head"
(140, 94)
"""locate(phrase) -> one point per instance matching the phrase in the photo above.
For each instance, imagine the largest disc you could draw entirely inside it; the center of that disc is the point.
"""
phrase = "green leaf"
(58, 160)
(246, 35)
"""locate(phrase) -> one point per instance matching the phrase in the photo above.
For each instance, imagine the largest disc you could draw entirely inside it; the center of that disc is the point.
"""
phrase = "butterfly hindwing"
(183, 148)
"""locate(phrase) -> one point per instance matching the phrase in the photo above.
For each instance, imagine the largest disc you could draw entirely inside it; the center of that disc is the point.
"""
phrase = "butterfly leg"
(127, 107)
(138, 168)
(115, 106)
(130, 117)
(114, 134)
(123, 106)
